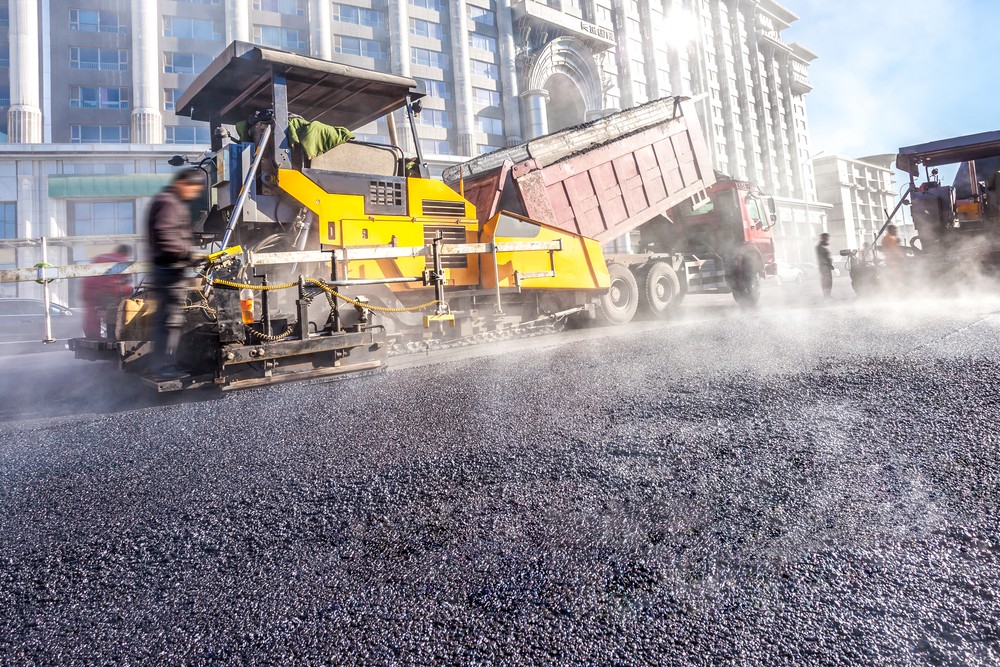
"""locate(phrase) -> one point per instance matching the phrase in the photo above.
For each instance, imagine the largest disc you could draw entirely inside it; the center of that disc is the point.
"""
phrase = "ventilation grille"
(385, 197)
(449, 235)
(451, 209)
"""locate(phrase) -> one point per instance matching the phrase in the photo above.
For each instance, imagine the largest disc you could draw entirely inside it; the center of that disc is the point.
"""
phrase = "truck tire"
(746, 289)
(619, 304)
(661, 289)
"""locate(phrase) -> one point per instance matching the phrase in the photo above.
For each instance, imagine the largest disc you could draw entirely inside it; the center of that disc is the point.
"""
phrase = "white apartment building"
(90, 88)
(861, 192)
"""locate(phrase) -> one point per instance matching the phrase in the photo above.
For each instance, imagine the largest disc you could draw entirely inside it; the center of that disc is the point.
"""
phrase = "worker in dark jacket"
(824, 262)
(101, 292)
(171, 245)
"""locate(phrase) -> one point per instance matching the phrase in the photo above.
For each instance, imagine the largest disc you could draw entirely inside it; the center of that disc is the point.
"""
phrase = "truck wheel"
(746, 290)
(661, 289)
(618, 306)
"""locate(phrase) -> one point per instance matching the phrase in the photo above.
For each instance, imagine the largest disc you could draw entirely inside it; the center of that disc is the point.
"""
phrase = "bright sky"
(894, 73)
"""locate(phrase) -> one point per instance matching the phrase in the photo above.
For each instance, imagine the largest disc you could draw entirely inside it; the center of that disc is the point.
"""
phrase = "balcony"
(800, 79)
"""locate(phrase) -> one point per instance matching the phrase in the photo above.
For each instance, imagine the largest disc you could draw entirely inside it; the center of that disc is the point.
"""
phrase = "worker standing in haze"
(171, 246)
(824, 262)
(100, 292)
(891, 250)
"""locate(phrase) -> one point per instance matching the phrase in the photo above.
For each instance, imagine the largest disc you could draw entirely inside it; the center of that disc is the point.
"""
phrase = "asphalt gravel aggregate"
(810, 488)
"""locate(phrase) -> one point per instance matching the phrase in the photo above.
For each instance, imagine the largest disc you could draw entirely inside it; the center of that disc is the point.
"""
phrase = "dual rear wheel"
(653, 287)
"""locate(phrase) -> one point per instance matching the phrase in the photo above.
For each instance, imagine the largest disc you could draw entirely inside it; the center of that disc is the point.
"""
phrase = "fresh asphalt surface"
(802, 484)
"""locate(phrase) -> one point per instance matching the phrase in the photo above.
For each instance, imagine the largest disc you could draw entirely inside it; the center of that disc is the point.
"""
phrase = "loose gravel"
(811, 486)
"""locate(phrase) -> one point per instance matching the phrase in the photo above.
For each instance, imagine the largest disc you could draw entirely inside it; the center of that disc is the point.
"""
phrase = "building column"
(237, 20)
(775, 136)
(24, 118)
(619, 18)
(147, 122)
(465, 124)
(651, 51)
(320, 30)
(739, 33)
(508, 73)
(399, 61)
(536, 118)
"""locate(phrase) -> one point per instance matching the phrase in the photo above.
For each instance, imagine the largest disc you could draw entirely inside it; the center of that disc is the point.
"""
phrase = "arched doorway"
(562, 87)
(566, 106)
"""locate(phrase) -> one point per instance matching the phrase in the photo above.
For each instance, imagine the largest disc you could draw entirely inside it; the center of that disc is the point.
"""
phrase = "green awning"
(107, 185)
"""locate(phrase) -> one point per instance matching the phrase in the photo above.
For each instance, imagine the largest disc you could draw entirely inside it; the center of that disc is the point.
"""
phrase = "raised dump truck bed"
(601, 179)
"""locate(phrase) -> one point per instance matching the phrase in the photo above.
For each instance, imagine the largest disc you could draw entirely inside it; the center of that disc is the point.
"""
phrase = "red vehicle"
(641, 179)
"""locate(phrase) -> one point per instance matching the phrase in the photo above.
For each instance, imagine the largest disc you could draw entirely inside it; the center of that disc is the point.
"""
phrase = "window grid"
(98, 59)
(277, 37)
(355, 46)
(98, 97)
(188, 28)
(289, 7)
(481, 15)
(185, 63)
(422, 28)
(358, 16)
(429, 58)
(482, 42)
(103, 218)
(8, 220)
(99, 134)
(187, 135)
(84, 20)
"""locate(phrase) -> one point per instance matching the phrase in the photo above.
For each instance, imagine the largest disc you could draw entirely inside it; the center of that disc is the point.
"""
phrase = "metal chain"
(230, 284)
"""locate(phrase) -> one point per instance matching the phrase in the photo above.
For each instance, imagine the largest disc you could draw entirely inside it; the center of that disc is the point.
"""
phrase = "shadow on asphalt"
(55, 384)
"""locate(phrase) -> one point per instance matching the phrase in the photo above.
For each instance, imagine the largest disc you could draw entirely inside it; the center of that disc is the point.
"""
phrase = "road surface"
(807, 483)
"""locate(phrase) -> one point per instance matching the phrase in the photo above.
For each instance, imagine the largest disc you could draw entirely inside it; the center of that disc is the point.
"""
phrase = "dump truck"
(324, 253)
(957, 226)
(643, 172)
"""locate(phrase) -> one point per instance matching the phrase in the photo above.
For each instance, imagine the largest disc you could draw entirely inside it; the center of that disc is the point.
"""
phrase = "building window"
(185, 63)
(482, 42)
(8, 220)
(102, 218)
(437, 89)
(290, 7)
(485, 97)
(175, 26)
(102, 59)
(358, 15)
(4, 96)
(3, 132)
(98, 134)
(490, 125)
(481, 15)
(434, 118)
(355, 46)
(202, 2)
(188, 135)
(4, 16)
(279, 38)
(429, 58)
(86, 20)
(170, 96)
(4, 55)
(422, 28)
(436, 146)
(483, 69)
(486, 148)
(427, 4)
(98, 97)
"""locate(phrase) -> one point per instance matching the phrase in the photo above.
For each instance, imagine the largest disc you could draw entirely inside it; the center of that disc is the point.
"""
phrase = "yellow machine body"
(577, 265)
